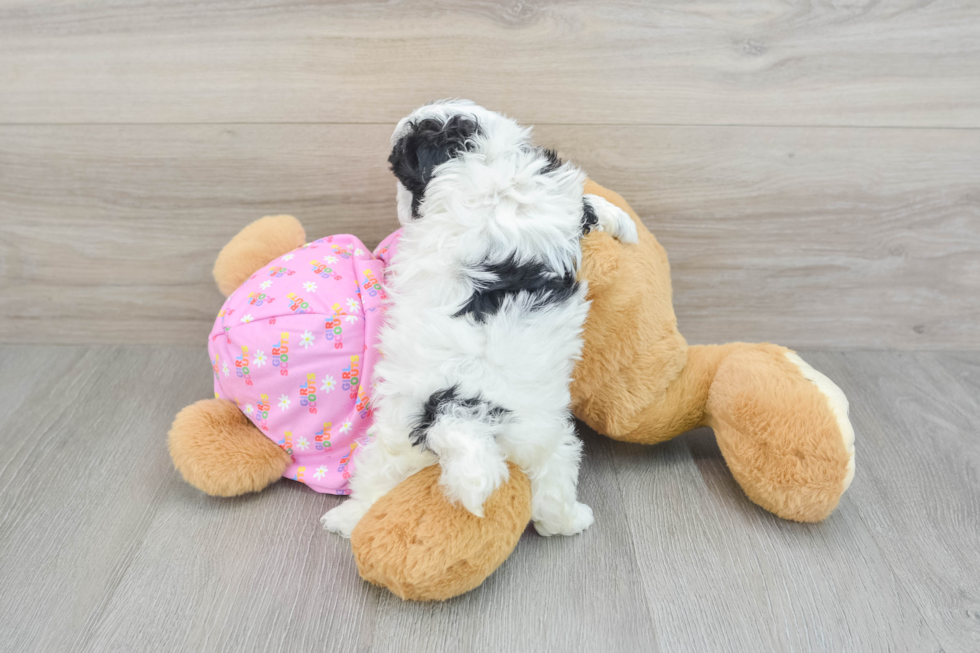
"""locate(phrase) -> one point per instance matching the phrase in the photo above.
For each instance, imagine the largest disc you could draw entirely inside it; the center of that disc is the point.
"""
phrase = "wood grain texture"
(104, 547)
(806, 237)
(866, 62)
(919, 451)
(81, 477)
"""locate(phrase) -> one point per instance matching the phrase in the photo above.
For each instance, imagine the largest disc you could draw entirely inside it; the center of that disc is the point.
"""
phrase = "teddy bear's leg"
(254, 246)
(219, 451)
(781, 425)
(680, 406)
(423, 547)
(783, 430)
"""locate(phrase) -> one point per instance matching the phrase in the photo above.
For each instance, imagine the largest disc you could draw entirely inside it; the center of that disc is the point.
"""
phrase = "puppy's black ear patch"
(427, 144)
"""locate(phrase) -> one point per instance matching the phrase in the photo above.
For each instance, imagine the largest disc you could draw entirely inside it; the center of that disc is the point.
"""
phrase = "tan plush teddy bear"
(781, 425)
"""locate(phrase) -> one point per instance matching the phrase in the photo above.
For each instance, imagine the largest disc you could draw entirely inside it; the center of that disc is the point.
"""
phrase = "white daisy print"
(345, 427)
(248, 409)
(331, 259)
(352, 304)
(302, 444)
(224, 368)
(358, 252)
(307, 339)
(288, 257)
(328, 383)
(309, 286)
(351, 318)
(259, 359)
(247, 318)
(320, 472)
(284, 402)
(265, 284)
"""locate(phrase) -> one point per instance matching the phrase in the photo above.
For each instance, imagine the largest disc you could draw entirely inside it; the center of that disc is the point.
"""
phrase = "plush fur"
(218, 450)
(760, 391)
(253, 247)
(422, 547)
(483, 326)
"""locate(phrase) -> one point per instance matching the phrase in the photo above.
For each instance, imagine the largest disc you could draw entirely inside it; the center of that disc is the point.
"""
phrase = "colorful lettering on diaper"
(324, 270)
(280, 354)
(351, 376)
(340, 250)
(363, 406)
(307, 393)
(298, 476)
(297, 303)
(259, 298)
(262, 412)
(286, 442)
(335, 331)
(281, 271)
(372, 285)
(345, 461)
(322, 438)
(241, 366)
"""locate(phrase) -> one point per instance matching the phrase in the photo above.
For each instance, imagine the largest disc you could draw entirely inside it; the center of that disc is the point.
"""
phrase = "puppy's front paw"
(613, 220)
(471, 484)
(570, 522)
(344, 518)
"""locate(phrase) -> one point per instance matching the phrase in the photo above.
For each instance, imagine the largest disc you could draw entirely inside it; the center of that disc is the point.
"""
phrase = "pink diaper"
(294, 347)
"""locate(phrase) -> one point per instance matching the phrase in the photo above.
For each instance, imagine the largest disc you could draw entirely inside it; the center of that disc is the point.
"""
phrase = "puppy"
(485, 317)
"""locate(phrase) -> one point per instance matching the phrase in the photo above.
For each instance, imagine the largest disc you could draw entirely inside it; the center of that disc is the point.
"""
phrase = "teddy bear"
(782, 427)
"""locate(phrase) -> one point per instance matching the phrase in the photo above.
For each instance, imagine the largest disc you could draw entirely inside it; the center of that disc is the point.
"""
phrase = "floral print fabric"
(294, 348)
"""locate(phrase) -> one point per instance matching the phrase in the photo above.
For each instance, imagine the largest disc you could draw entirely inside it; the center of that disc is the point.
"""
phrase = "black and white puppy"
(485, 320)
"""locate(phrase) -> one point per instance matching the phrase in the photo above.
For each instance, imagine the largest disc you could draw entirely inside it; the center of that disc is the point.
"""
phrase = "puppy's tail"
(473, 466)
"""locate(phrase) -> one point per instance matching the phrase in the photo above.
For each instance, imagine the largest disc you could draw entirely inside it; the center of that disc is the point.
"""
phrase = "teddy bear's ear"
(427, 144)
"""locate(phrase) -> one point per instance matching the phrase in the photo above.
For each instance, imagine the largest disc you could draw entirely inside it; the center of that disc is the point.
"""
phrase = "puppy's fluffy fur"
(484, 323)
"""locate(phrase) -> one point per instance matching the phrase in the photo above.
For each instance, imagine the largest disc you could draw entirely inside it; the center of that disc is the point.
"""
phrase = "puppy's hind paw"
(344, 518)
(572, 522)
(613, 220)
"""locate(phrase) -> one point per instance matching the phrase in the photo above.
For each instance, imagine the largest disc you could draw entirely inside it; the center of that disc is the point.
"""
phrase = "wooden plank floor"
(104, 547)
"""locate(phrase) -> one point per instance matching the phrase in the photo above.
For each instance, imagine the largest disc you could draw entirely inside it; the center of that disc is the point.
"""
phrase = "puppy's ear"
(427, 144)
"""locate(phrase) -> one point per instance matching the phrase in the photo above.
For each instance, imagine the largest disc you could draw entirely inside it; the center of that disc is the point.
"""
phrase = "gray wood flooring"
(103, 546)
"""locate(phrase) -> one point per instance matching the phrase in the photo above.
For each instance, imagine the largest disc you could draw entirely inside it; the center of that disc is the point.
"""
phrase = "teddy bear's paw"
(613, 220)
(344, 518)
(571, 522)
